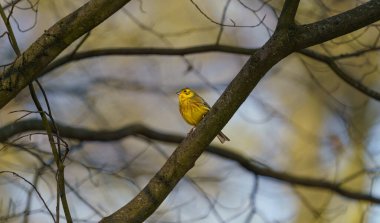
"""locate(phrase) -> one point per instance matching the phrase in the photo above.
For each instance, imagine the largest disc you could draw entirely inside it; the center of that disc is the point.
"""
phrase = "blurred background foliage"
(301, 119)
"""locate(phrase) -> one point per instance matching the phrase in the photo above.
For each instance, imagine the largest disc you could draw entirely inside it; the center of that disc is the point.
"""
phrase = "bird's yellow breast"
(192, 110)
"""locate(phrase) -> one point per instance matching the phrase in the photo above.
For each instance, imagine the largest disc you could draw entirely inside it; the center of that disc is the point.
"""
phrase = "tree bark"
(45, 49)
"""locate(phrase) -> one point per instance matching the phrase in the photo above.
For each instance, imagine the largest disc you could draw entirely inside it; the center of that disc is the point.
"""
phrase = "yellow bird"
(193, 108)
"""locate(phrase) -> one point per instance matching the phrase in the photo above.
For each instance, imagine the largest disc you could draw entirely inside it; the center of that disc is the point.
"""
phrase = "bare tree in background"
(100, 140)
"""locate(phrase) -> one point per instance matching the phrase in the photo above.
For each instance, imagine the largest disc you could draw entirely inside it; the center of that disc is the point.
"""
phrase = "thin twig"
(221, 24)
(34, 188)
(60, 173)
(222, 21)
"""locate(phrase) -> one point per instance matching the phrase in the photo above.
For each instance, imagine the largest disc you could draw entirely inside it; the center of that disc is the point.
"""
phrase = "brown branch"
(338, 25)
(288, 14)
(356, 53)
(11, 4)
(61, 192)
(11, 36)
(342, 74)
(125, 51)
(139, 130)
(32, 62)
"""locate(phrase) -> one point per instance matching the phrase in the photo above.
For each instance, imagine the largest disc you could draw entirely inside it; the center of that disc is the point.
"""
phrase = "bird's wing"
(204, 103)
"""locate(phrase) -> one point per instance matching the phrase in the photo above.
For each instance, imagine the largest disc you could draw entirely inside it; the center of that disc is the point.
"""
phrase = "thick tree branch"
(31, 63)
(339, 25)
(139, 130)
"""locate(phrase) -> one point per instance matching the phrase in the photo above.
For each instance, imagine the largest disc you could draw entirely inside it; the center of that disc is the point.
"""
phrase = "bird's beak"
(178, 92)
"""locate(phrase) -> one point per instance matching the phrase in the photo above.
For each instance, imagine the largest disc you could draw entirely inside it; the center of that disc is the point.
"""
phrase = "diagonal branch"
(30, 64)
(338, 25)
(342, 74)
(139, 130)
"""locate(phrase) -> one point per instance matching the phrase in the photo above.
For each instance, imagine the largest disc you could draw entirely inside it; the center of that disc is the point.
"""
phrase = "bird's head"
(185, 93)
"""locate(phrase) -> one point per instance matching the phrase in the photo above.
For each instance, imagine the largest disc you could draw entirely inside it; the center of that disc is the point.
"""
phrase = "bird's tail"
(222, 138)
